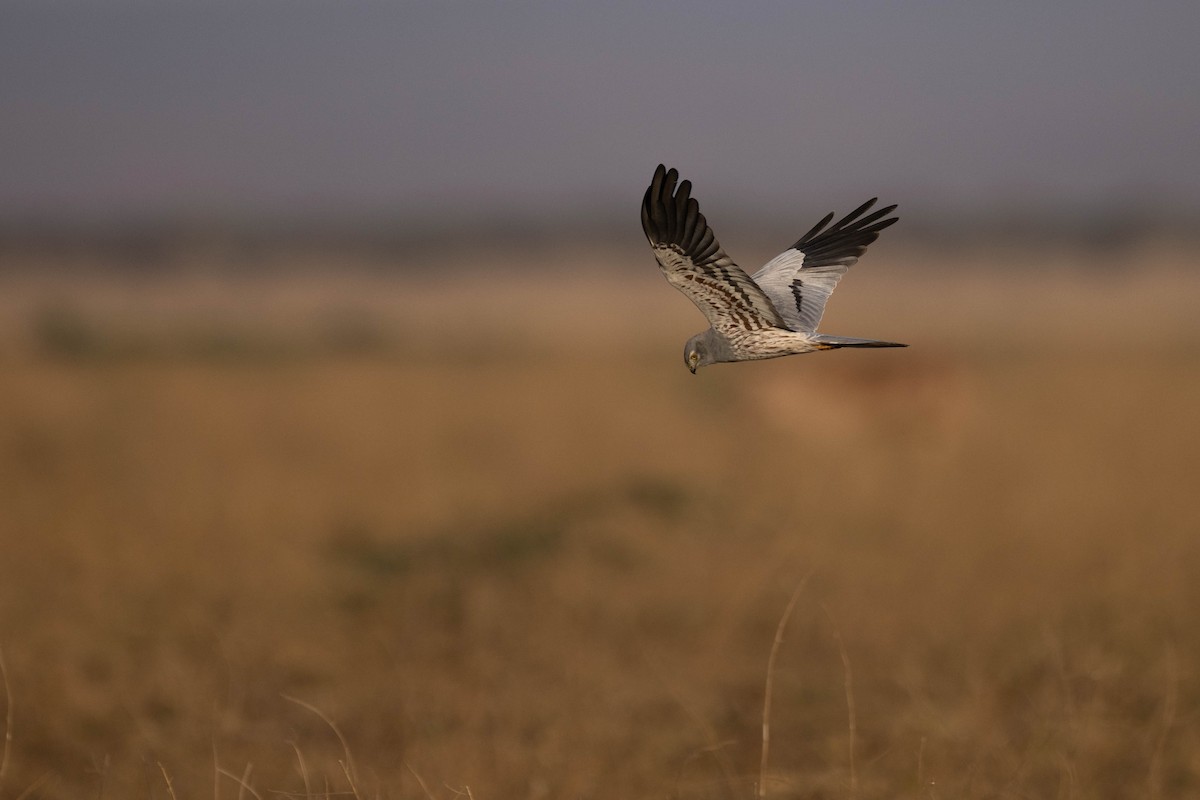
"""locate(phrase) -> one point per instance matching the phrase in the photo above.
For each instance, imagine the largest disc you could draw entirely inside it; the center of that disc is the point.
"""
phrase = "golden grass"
(318, 534)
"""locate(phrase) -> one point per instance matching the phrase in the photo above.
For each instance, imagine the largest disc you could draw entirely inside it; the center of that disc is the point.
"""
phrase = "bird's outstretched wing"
(799, 280)
(694, 262)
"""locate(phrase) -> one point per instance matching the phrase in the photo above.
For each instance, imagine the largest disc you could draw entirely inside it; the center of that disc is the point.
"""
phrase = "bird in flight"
(773, 313)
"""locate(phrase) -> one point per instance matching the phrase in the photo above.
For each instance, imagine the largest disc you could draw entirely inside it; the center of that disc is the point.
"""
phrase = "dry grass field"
(316, 528)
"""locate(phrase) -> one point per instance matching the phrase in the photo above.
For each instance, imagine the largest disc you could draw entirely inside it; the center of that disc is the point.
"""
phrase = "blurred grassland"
(479, 514)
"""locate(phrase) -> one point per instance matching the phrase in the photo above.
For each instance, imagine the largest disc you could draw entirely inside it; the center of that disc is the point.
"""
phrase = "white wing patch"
(800, 294)
(800, 280)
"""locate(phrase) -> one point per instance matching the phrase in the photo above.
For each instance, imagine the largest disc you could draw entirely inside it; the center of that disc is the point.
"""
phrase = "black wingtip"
(659, 220)
(845, 240)
(671, 216)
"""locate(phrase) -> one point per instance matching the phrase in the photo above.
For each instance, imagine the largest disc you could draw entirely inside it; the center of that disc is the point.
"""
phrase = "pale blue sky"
(544, 110)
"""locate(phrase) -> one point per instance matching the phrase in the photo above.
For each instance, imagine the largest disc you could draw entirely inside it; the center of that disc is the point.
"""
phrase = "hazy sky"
(540, 109)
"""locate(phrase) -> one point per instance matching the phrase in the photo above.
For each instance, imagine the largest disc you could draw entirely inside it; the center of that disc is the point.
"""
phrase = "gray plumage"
(776, 311)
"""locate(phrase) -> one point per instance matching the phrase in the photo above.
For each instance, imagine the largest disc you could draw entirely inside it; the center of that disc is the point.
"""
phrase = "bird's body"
(774, 313)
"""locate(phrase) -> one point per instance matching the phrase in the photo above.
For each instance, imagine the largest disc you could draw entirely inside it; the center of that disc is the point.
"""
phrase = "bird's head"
(696, 353)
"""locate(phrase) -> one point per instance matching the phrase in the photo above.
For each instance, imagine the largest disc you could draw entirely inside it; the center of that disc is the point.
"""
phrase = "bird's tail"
(833, 342)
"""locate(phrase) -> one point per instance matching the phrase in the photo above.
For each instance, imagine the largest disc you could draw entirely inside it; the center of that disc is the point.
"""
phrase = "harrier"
(773, 313)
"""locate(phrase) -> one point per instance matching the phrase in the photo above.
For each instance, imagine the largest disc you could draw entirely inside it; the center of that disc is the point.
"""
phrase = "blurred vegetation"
(477, 516)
